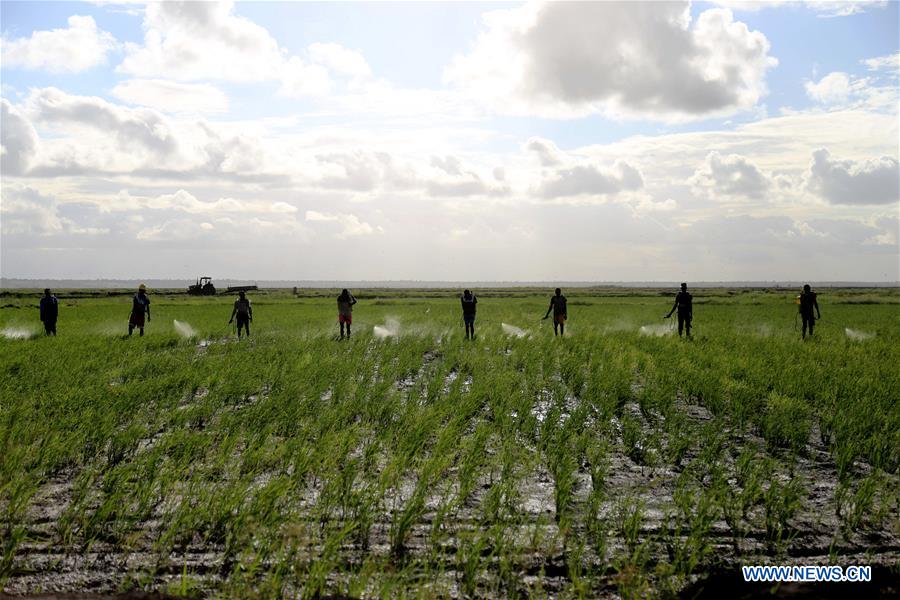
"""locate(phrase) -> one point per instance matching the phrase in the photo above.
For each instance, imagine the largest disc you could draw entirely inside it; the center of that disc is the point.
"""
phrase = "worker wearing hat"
(140, 304)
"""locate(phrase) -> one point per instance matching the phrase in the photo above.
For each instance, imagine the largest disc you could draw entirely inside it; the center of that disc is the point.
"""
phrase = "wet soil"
(44, 568)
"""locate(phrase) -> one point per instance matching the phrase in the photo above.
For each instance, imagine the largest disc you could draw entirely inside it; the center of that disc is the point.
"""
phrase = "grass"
(426, 465)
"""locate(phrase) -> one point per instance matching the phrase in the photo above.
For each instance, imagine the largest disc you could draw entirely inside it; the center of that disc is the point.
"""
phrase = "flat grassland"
(618, 461)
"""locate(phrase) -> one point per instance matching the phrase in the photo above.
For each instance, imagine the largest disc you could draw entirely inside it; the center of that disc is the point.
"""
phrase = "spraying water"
(183, 329)
(656, 330)
(391, 328)
(856, 335)
(17, 333)
(513, 330)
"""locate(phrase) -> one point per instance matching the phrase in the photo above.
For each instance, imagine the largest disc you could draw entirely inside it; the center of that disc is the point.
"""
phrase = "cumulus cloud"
(451, 178)
(824, 8)
(889, 62)
(731, 175)
(625, 59)
(201, 40)
(838, 89)
(546, 151)
(873, 181)
(172, 96)
(18, 141)
(147, 128)
(350, 223)
(189, 41)
(834, 87)
(184, 201)
(339, 59)
(591, 180)
(26, 211)
(77, 48)
(89, 135)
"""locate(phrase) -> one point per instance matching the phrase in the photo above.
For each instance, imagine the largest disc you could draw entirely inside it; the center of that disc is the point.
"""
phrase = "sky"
(568, 141)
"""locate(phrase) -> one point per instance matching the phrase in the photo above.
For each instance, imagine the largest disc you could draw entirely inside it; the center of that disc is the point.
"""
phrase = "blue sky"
(474, 130)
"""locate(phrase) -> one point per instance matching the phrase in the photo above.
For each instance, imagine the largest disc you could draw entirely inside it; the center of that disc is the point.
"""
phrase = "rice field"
(618, 461)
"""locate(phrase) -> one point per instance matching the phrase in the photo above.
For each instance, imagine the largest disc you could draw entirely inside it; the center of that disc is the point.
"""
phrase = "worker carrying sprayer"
(684, 305)
(469, 302)
(49, 312)
(140, 306)
(345, 304)
(807, 302)
(558, 306)
(244, 313)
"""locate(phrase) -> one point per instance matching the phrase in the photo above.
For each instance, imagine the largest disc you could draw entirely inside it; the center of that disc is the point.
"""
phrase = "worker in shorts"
(244, 313)
(140, 307)
(49, 312)
(345, 304)
(469, 302)
(684, 302)
(558, 306)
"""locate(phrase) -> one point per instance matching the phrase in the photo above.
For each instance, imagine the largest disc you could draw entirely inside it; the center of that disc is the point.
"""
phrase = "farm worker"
(345, 304)
(140, 304)
(807, 304)
(244, 313)
(49, 312)
(684, 304)
(558, 306)
(469, 301)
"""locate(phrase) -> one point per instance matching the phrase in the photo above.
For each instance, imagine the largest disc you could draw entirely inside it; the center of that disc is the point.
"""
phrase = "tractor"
(203, 287)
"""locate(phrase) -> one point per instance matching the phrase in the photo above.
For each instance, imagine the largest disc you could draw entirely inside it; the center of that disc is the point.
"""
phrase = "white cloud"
(873, 181)
(79, 47)
(339, 59)
(350, 223)
(843, 8)
(146, 128)
(26, 211)
(732, 175)
(833, 88)
(889, 62)
(201, 40)
(547, 152)
(184, 201)
(171, 96)
(592, 180)
(18, 141)
(623, 59)
(189, 41)
(824, 8)
(299, 78)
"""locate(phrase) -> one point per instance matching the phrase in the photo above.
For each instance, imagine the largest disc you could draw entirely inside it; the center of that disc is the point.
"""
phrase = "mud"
(637, 474)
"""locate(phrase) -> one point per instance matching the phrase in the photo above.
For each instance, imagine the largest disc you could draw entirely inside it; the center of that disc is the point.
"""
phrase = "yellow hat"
(142, 287)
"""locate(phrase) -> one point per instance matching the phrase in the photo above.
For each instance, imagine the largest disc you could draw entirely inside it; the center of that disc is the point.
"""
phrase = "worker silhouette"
(140, 306)
(558, 306)
(244, 313)
(807, 304)
(345, 304)
(684, 305)
(469, 302)
(49, 312)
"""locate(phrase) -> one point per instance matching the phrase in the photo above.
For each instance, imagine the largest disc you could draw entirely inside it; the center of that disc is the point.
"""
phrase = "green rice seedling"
(786, 423)
(781, 501)
(261, 455)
